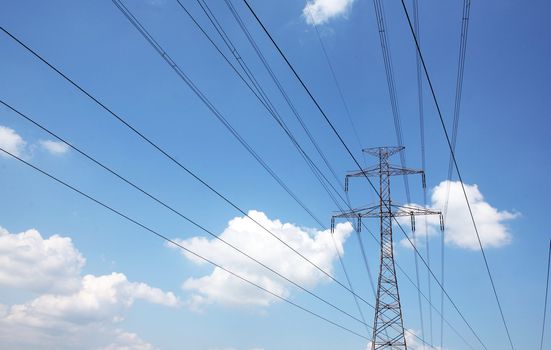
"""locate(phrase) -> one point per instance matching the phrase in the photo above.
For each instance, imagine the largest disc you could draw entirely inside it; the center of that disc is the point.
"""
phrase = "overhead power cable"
(546, 292)
(337, 85)
(429, 302)
(173, 159)
(457, 105)
(391, 82)
(138, 133)
(166, 57)
(241, 60)
(175, 211)
(178, 245)
(141, 135)
(356, 162)
(450, 146)
(293, 109)
(423, 167)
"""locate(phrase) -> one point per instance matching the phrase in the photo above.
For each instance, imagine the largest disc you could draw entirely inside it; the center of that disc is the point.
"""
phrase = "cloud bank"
(69, 310)
(219, 287)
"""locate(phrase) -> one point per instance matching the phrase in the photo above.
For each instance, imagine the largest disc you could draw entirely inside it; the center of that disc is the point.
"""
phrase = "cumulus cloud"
(221, 288)
(71, 310)
(459, 229)
(39, 265)
(128, 341)
(11, 142)
(320, 11)
(54, 147)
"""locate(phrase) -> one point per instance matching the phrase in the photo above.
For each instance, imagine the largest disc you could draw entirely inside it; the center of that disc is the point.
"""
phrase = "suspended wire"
(255, 88)
(338, 86)
(100, 164)
(169, 156)
(326, 118)
(241, 61)
(455, 126)
(354, 129)
(423, 167)
(546, 291)
(135, 22)
(174, 160)
(175, 211)
(452, 152)
(220, 30)
(176, 244)
(442, 281)
(387, 58)
(416, 287)
(435, 309)
(272, 110)
(232, 48)
(264, 61)
(458, 89)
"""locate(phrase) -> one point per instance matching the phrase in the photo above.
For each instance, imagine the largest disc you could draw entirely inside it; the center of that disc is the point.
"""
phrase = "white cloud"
(128, 341)
(222, 288)
(54, 147)
(39, 265)
(320, 11)
(459, 230)
(71, 311)
(11, 142)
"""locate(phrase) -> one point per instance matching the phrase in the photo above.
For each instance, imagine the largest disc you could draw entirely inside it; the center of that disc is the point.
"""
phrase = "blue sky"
(114, 285)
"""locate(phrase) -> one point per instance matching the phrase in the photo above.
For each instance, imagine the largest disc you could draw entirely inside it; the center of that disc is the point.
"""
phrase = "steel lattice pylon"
(388, 327)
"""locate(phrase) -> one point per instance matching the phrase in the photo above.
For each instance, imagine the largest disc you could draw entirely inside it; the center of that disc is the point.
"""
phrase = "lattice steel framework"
(388, 328)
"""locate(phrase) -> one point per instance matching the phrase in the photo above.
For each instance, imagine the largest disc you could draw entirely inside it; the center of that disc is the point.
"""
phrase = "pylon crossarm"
(369, 171)
(381, 152)
(359, 212)
(391, 170)
(408, 210)
(394, 170)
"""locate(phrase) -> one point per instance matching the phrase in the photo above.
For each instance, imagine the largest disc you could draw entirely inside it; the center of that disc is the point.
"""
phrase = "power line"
(149, 141)
(353, 158)
(125, 123)
(423, 167)
(175, 67)
(264, 100)
(264, 61)
(136, 23)
(174, 160)
(429, 302)
(458, 173)
(337, 84)
(546, 291)
(295, 112)
(241, 60)
(172, 209)
(274, 78)
(165, 238)
(389, 70)
(457, 104)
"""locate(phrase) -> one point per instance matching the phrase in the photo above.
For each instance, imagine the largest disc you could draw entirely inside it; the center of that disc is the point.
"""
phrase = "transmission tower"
(388, 327)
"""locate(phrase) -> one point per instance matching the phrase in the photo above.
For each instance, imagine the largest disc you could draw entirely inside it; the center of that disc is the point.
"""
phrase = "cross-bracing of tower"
(388, 324)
